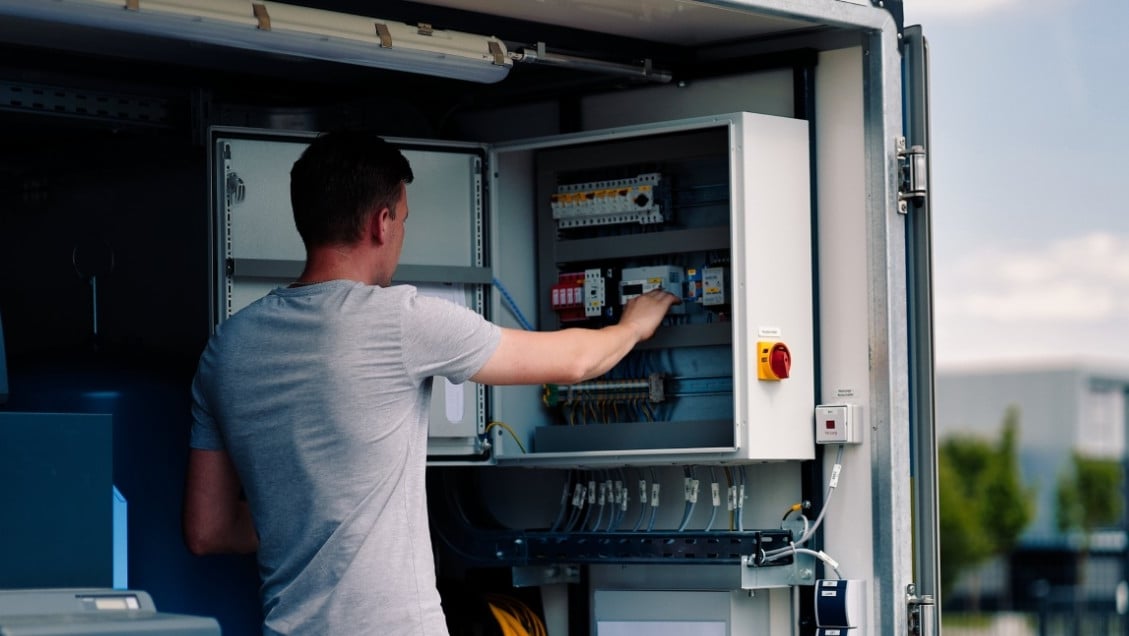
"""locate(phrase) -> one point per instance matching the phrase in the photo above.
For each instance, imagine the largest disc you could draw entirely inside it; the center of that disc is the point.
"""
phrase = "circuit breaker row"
(609, 202)
(601, 293)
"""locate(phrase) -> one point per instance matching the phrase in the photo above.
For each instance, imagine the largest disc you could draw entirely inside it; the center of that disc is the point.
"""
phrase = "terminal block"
(650, 389)
(611, 202)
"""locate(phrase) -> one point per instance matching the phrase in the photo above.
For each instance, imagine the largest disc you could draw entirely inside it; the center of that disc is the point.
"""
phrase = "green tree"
(983, 505)
(963, 544)
(1088, 497)
(1008, 506)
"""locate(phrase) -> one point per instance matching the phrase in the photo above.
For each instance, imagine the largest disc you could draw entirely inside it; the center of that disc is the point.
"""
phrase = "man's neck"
(340, 263)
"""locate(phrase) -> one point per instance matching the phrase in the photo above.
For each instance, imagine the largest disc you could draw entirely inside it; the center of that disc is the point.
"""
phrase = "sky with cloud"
(1030, 137)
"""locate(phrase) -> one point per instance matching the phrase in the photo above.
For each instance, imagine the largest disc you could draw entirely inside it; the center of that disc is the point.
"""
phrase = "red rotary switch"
(780, 361)
(774, 361)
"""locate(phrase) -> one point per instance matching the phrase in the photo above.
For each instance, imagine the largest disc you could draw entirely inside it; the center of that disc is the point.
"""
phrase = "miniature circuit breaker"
(636, 281)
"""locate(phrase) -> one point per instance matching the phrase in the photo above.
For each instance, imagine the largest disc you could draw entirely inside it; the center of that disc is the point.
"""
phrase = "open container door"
(925, 599)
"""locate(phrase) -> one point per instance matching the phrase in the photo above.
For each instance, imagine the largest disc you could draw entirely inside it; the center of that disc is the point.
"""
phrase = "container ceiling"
(675, 22)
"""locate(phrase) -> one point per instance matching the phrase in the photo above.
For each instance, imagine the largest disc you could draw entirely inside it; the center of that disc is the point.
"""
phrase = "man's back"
(319, 395)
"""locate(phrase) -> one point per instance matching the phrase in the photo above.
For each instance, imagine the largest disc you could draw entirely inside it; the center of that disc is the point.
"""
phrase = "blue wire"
(513, 306)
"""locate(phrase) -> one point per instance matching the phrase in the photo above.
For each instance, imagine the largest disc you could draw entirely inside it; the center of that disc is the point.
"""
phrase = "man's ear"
(379, 225)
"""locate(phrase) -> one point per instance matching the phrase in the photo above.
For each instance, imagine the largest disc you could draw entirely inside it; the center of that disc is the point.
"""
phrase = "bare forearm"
(242, 538)
(596, 351)
(216, 519)
(573, 355)
(223, 536)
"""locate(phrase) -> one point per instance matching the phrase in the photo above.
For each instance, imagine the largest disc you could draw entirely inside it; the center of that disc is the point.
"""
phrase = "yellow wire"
(507, 622)
(511, 431)
(520, 619)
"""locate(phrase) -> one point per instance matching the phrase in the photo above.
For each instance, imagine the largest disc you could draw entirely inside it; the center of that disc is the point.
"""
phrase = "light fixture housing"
(283, 29)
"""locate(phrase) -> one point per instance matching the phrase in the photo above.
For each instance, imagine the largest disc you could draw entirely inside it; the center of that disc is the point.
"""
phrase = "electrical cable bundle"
(576, 502)
(619, 509)
(508, 429)
(741, 498)
(715, 500)
(601, 499)
(655, 489)
(514, 617)
(511, 304)
(691, 496)
(642, 502)
(736, 498)
(809, 530)
(564, 504)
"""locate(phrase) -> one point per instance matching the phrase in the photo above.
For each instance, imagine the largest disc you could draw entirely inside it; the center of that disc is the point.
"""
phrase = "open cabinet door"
(257, 247)
(925, 599)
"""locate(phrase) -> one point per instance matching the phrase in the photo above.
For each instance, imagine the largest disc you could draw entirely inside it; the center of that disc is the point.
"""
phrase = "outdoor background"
(1029, 122)
(1030, 130)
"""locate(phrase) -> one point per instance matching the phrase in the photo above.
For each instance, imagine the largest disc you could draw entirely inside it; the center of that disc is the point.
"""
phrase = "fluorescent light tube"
(278, 28)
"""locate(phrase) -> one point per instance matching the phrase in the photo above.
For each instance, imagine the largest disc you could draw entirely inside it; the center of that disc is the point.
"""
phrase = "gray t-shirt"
(320, 396)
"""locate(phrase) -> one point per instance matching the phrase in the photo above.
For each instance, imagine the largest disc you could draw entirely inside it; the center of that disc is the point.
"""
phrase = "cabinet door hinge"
(914, 182)
(919, 612)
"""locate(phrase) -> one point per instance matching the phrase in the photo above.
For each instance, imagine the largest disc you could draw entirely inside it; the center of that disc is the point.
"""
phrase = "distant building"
(1063, 407)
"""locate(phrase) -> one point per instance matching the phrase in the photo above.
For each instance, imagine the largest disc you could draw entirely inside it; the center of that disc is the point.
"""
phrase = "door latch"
(914, 182)
(234, 189)
(919, 612)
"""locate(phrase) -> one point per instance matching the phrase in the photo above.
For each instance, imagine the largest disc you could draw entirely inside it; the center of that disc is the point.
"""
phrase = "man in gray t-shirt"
(312, 402)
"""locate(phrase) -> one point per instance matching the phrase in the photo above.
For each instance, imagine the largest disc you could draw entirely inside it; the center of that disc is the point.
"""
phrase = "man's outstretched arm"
(573, 355)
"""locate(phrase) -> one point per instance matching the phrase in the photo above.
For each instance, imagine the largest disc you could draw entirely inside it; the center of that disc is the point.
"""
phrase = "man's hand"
(644, 313)
(575, 354)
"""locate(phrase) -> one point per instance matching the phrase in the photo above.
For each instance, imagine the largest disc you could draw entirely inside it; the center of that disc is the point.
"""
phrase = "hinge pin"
(919, 612)
(914, 183)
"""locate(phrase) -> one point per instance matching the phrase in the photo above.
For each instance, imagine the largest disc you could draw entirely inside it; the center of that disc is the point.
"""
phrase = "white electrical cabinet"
(734, 190)
(728, 377)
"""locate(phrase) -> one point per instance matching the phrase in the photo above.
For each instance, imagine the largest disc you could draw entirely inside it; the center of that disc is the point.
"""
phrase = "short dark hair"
(339, 179)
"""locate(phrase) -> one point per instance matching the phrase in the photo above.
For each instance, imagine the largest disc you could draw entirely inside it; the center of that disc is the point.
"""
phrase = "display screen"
(112, 603)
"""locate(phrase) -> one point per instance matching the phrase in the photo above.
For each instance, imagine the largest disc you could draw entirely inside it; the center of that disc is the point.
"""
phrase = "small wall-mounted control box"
(838, 424)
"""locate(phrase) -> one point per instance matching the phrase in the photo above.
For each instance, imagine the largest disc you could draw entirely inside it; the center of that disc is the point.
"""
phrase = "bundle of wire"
(514, 617)
(810, 528)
